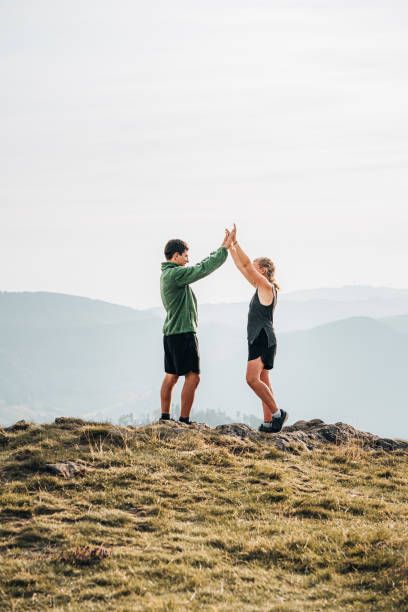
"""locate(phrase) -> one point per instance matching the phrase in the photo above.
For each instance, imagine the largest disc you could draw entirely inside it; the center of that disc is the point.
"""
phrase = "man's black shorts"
(181, 354)
(259, 348)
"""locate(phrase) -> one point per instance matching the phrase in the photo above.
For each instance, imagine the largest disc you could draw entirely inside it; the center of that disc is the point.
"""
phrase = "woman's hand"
(233, 235)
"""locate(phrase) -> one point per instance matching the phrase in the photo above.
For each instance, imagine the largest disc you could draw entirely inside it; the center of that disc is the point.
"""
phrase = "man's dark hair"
(175, 246)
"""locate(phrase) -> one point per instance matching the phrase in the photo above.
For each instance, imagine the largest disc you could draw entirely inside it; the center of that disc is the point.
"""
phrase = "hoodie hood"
(168, 264)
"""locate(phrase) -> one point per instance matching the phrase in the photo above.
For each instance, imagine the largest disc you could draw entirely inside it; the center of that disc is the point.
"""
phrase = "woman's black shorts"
(181, 354)
(259, 348)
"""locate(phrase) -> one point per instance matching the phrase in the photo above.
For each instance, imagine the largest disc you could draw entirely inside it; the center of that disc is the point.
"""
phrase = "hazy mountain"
(54, 363)
(309, 308)
(349, 293)
(41, 308)
(399, 323)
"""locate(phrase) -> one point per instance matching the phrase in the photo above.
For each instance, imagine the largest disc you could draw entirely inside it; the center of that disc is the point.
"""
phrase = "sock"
(185, 420)
(276, 415)
(165, 416)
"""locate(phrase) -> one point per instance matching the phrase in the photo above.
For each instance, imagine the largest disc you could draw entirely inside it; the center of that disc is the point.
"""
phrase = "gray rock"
(309, 435)
(67, 469)
(239, 429)
(301, 436)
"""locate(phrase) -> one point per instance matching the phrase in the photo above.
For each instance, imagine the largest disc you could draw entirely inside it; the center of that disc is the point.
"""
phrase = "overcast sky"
(127, 123)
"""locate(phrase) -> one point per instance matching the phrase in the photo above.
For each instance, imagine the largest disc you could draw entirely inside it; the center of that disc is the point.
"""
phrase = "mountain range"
(68, 355)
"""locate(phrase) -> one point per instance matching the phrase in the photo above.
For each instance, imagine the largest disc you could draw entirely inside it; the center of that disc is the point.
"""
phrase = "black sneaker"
(278, 423)
(265, 429)
(186, 422)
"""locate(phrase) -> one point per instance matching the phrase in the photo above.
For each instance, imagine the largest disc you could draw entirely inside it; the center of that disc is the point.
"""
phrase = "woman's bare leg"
(263, 391)
(265, 378)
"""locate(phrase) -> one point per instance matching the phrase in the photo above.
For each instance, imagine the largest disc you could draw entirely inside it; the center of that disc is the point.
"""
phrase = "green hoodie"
(177, 297)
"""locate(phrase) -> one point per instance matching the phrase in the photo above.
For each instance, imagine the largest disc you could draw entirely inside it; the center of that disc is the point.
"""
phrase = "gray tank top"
(261, 317)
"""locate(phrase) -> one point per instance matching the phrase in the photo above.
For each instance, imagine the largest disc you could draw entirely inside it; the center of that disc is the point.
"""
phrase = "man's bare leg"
(265, 379)
(253, 378)
(166, 392)
(188, 393)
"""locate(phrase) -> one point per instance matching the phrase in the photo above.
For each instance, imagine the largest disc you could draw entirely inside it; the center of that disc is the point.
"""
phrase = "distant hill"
(349, 293)
(309, 308)
(68, 355)
(61, 352)
(399, 323)
(44, 308)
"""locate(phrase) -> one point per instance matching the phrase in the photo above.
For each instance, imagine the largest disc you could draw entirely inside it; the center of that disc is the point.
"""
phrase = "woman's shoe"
(278, 423)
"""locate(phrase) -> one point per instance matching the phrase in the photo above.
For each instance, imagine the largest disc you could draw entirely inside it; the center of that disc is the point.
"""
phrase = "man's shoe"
(186, 422)
(278, 423)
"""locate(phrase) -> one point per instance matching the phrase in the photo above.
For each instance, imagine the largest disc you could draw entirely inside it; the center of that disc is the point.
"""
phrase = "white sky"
(127, 123)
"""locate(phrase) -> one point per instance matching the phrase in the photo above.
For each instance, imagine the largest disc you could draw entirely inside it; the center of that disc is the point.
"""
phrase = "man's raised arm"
(185, 275)
(191, 274)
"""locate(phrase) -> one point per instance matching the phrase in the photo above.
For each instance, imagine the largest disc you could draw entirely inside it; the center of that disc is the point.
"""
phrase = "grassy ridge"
(199, 521)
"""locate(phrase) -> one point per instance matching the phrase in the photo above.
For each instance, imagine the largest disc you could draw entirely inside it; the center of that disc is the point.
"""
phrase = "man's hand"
(227, 235)
(229, 240)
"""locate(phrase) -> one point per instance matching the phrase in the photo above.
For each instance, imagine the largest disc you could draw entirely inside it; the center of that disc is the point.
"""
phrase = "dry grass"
(199, 521)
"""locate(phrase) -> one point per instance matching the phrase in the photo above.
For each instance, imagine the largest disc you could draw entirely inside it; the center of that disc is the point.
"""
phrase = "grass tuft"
(84, 555)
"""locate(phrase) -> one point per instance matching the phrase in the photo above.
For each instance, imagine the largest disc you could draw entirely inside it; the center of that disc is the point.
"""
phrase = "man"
(181, 352)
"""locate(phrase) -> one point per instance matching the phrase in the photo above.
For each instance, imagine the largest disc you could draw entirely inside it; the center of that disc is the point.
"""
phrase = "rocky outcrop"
(302, 435)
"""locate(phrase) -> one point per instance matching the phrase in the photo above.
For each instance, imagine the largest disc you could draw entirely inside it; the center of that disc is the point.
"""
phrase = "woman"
(261, 334)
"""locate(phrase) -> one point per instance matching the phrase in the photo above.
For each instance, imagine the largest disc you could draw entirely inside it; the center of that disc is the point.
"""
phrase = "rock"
(239, 429)
(310, 435)
(314, 422)
(67, 469)
(299, 425)
(195, 425)
(177, 424)
(387, 444)
(19, 426)
(69, 422)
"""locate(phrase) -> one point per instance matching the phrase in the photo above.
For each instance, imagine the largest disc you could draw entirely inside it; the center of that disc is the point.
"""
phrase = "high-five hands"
(230, 237)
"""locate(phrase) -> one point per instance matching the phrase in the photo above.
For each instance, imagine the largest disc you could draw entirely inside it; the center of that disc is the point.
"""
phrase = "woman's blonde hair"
(265, 262)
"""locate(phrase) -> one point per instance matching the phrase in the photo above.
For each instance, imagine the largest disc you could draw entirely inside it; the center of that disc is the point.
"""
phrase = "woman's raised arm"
(245, 265)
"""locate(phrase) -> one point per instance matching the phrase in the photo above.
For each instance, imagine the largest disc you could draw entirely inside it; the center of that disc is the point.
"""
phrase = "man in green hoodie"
(181, 353)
